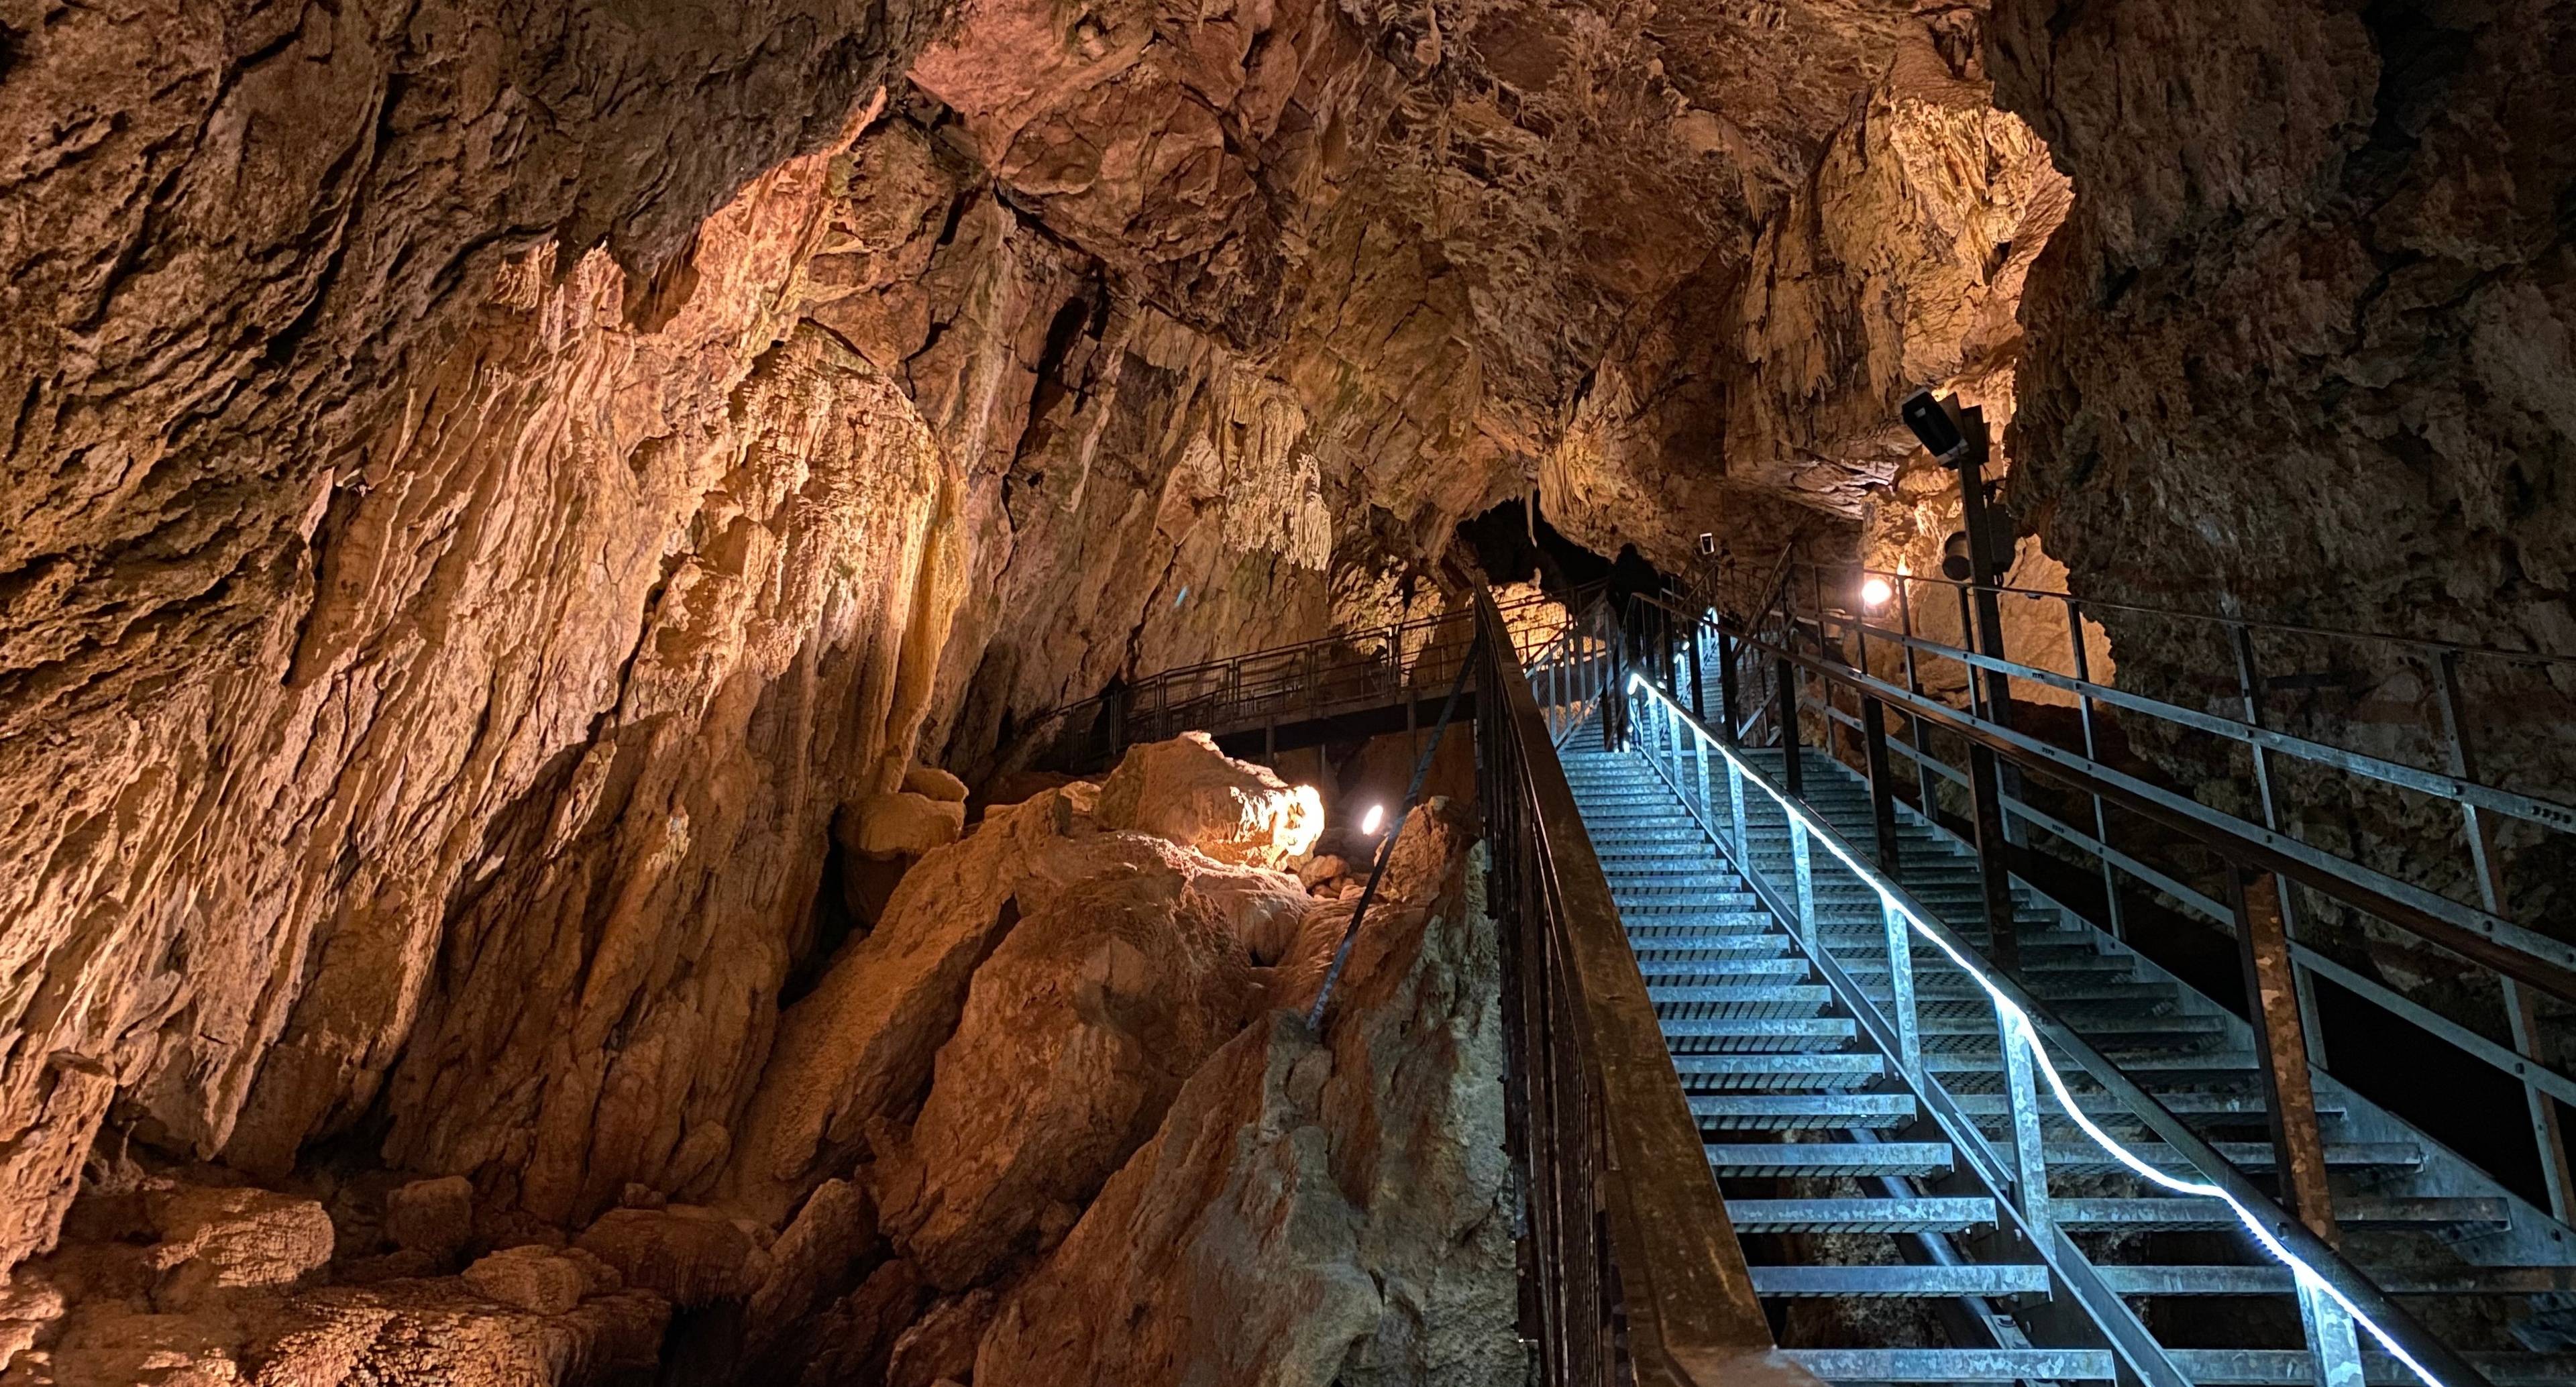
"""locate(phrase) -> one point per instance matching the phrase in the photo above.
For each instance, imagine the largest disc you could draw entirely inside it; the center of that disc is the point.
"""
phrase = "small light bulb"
(1373, 819)
(1875, 593)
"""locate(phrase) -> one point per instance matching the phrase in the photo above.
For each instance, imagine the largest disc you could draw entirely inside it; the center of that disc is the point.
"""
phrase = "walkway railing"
(1850, 667)
(1406, 664)
(1633, 1273)
(1715, 779)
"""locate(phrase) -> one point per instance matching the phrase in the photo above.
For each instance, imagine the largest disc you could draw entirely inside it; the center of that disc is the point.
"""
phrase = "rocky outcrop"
(1310, 1210)
(1188, 791)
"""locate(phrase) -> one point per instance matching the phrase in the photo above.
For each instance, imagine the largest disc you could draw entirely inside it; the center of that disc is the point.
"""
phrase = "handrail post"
(1802, 863)
(1699, 754)
(1927, 785)
(1900, 989)
(1698, 675)
(2248, 687)
(1735, 814)
(2520, 1007)
(2113, 914)
(1994, 865)
(2330, 1335)
(1727, 649)
(2021, 1095)
(1882, 788)
(1784, 697)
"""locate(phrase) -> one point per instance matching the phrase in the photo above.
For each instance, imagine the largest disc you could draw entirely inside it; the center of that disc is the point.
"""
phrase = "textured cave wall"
(2304, 349)
(488, 488)
(302, 435)
(1758, 399)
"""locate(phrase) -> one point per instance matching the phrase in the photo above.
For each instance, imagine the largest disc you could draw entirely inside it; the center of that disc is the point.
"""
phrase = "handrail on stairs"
(2337, 1298)
(1634, 1273)
(1832, 649)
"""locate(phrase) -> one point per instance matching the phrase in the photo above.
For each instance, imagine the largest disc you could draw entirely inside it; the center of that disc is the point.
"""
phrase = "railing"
(1719, 784)
(2413, 762)
(1406, 662)
(1633, 1273)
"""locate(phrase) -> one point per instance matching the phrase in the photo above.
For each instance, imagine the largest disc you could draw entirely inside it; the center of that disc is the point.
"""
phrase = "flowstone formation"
(1068, 1070)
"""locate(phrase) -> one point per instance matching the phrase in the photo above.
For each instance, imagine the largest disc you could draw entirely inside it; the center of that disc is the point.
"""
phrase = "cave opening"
(1511, 544)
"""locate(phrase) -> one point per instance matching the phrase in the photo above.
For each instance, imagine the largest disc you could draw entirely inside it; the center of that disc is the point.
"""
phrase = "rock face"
(1307, 1212)
(458, 567)
(1188, 791)
(2303, 351)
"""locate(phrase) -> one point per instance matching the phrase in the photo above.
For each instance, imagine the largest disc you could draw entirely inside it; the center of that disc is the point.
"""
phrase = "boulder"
(813, 1260)
(856, 1335)
(940, 1346)
(435, 1217)
(1310, 1211)
(240, 1237)
(1193, 794)
(902, 824)
(859, 1047)
(934, 783)
(533, 1278)
(690, 1256)
(1315, 871)
(1074, 1037)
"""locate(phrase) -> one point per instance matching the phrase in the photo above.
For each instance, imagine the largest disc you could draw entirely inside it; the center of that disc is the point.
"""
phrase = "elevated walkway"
(1781, 1036)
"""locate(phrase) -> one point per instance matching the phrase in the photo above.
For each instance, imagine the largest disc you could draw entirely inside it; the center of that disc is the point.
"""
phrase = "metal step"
(1780, 1112)
(1918, 1215)
(1710, 968)
(1756, 1034)
(1831, 1158)
(2275, 1280)
(1750, 1000)
(1708, 1073)
(2291, 1367)
(2085, 1158)
(2182, 1212)
(1991, 1106)
(1954, 1364)
(1884, 1281)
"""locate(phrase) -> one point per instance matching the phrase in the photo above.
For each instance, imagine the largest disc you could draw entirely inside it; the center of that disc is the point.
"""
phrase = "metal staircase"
(1766, 1055)
(1826, 1110)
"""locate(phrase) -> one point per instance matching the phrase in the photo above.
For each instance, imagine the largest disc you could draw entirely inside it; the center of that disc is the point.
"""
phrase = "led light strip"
(2017, 1024)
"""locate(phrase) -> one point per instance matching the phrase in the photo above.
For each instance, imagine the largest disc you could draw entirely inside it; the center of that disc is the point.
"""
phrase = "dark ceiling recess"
(1500, 541)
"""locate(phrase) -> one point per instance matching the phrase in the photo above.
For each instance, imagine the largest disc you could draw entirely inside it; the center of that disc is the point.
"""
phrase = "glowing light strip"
(2017, 1023)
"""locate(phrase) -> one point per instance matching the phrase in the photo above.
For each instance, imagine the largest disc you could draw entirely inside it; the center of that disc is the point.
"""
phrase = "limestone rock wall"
(341, 507)
(2304, 349)
(1757, 401)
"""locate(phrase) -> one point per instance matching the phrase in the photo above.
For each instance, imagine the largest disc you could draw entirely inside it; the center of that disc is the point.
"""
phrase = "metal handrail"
(1282, 684)
(2474, 933)
(2322, 1276)
(1637, 1273)
(2518, 958)
(2290, 628)
(2523, 963)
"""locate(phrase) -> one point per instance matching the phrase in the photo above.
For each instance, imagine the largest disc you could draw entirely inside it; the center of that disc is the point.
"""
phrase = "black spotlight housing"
(1955, 564)
(1934, 426)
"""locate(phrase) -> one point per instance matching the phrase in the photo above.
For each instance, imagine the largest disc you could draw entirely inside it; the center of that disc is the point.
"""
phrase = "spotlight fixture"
(1934, 426)
(1707, 545)
(1874, 592)
(1374, 819)
(1955, 564)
